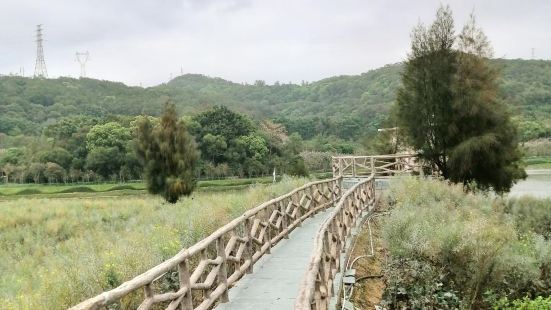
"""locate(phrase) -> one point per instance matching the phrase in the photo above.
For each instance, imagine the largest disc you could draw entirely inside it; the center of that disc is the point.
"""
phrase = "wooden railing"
(378, 165)
(316, 288)
(200, 276)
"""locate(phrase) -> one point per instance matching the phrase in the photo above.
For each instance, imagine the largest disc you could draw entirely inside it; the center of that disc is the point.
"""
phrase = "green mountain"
(344, 106)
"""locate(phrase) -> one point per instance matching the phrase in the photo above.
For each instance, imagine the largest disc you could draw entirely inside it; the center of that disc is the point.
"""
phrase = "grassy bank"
(56, 252)
(452, 250)
(60, 189)
(538, 162)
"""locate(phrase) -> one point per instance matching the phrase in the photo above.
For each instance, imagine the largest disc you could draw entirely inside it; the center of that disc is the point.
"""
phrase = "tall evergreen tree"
(449, 109)
(168, 154)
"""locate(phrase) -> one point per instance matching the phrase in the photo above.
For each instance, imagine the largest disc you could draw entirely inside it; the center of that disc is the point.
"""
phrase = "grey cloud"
(287, 40)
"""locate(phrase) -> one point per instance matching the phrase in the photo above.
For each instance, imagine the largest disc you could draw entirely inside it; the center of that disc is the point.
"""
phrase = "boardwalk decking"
(270, 286)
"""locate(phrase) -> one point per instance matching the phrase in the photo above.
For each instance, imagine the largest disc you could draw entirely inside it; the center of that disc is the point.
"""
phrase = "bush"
(417, 285)
(28, 191)
(531, 215)
(523, 304)
(468, 240)
(77, 189)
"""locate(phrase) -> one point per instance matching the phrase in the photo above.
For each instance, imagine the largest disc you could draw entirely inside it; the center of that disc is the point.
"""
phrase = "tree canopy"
(168, 154)
(449, 107)
(347, 107)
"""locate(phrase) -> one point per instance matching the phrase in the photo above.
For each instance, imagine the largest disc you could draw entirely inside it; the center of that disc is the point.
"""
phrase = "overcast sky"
(144, 42)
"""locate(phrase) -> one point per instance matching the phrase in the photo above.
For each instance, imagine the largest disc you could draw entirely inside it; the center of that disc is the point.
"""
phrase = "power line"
(82, 58)
(40, 65)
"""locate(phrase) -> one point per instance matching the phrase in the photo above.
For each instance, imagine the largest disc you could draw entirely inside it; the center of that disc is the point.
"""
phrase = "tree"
(213, 147)
(168, 154)
(255, 146)
(8, 170)
(54, 172)
(107, 135)
(36, 171)
(12, 156)
(221, 121)
(448, 106)
(56, 155)
(105, 161)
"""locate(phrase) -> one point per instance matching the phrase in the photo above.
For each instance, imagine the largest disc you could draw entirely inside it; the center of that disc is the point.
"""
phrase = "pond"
(537, 184)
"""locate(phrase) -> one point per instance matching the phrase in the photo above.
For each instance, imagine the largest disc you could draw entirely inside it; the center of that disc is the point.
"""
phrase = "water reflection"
(537, 184)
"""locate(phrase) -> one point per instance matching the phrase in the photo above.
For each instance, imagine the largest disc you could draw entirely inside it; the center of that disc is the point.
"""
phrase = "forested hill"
(345, 106)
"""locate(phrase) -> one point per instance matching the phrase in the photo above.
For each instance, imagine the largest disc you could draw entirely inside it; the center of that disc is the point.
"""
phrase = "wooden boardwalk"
(286, 253)
(277, 276)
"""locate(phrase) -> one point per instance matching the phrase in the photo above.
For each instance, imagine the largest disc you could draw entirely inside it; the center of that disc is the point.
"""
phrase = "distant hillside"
(346, 106)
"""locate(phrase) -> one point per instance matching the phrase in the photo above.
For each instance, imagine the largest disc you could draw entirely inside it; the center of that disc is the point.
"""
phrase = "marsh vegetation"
(56, 252)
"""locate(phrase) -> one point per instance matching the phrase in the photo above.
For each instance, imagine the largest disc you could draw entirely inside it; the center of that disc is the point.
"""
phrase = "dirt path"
(370, 284)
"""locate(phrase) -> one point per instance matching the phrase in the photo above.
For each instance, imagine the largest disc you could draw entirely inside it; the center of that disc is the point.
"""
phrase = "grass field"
(60, 190)
(56, 252)
(538, 162)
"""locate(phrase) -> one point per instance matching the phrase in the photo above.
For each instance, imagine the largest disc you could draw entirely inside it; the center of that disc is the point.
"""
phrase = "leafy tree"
(294, 144)
(105, 161)
(449, 108)
(168, 154)
(56, 155)
(213, 147)
(36, 171)
(8, 170)
(295, 166)
(255, 147)
(54, 173)
(12, 156)
(221, 121)
(107, 135)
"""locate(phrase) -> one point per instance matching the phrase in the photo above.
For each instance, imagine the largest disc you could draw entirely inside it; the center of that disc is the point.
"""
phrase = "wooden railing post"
(223, 270)
(372, 165)
(284, 219)
(335, 195)
(268, 237)
(249, 245)
(354, 166)
(312, 200)
(183, 274)
(296, 203)
(204, 257)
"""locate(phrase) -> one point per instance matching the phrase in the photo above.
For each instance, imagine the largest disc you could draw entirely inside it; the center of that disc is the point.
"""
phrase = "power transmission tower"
(82, 58)
(533, 53)
(40, 66)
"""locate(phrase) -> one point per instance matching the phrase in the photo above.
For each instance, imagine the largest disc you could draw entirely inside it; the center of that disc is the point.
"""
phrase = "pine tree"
(449, 108)
(168, 154)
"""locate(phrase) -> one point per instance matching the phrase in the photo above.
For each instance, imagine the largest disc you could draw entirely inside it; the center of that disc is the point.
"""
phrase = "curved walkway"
(275, 281)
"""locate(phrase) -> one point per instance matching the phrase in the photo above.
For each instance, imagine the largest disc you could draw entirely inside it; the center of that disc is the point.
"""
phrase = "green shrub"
(122, 187)
(468, 239)
(77, 189)
(539, 303)
(531, 215)
(28, 191)
(417, 285)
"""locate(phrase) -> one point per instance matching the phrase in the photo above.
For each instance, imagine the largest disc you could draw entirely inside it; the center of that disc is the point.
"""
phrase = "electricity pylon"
(82, 58)
(40, 65)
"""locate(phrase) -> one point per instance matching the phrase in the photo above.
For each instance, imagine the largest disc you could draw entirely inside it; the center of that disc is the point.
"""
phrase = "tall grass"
(55, 253)
(451, 249)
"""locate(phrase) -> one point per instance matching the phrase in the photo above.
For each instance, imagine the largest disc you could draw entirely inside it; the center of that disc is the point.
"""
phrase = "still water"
(537, 184)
